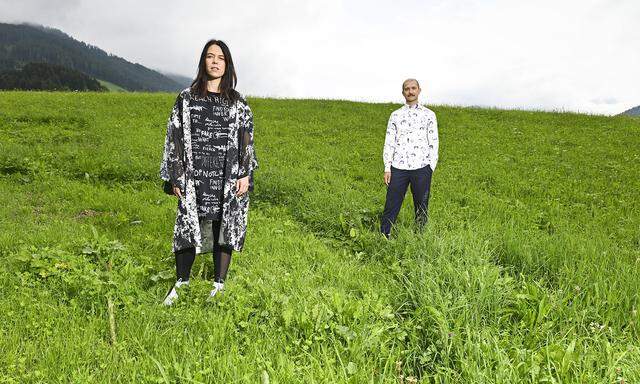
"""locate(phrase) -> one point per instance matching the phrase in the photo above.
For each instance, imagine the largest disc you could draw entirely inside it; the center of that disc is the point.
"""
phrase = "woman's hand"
(177, 192)
(242, 186)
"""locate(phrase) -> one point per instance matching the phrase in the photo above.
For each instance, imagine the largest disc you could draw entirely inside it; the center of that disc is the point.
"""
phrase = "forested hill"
(21, 44)
(635, 111)
(48, 77)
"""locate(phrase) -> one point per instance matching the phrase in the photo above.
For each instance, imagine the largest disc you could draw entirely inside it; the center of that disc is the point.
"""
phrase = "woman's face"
(214, 62)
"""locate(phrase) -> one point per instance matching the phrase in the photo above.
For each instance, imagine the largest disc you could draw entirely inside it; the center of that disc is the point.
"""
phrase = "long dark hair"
(229, 78)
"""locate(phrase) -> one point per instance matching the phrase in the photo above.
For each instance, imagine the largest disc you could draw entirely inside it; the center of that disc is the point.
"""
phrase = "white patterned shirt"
(411, 141)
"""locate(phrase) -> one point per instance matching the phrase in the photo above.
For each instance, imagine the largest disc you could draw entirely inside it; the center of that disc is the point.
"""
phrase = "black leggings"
(221, 259)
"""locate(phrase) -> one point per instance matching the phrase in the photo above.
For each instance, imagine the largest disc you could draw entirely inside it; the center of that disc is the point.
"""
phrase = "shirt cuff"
(387, 168)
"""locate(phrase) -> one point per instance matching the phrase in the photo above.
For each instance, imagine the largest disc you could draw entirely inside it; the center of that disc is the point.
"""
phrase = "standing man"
(410, 156)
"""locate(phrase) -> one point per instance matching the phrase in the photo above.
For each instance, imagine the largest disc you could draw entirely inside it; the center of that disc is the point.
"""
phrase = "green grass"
(527, 271)
(111, 87)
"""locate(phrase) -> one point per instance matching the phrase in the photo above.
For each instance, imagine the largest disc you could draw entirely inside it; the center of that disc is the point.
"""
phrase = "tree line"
(49, 77)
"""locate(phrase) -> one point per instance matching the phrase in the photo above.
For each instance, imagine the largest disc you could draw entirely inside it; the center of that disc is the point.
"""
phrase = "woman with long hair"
(208, 164)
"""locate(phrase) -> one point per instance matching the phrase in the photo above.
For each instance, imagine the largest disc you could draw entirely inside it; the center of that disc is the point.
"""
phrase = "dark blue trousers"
(420, 182)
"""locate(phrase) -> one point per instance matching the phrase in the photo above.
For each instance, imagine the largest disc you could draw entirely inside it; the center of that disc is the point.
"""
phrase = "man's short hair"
(408, 80)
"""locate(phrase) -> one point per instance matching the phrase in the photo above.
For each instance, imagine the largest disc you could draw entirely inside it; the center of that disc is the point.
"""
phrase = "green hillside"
(111, 87)
(527, 272)
(21, 44)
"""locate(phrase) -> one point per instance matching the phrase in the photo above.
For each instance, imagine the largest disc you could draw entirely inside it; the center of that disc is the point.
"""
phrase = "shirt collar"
(417, 106)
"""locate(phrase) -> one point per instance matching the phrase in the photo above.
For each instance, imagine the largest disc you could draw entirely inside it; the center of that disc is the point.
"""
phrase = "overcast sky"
(577, 55)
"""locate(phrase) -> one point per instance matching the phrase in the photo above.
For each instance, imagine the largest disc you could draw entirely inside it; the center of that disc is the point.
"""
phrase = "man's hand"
(177, 192)
(242, 186)
(387, 178)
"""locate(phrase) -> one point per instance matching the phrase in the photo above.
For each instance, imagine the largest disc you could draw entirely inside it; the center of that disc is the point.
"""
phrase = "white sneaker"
(172, 296)
(217, 289)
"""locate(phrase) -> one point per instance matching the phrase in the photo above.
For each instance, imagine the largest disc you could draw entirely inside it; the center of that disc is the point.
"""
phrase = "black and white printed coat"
(177, 168)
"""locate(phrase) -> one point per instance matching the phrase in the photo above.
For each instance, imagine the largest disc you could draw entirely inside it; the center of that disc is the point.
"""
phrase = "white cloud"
(568, 55)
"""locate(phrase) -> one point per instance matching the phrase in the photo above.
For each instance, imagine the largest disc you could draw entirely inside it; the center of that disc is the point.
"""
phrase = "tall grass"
(527, 271)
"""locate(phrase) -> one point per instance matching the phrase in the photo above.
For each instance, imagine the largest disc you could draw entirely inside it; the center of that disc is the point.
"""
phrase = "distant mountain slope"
(48, 77)
(23, 43)
(183, 80)
(635, 111)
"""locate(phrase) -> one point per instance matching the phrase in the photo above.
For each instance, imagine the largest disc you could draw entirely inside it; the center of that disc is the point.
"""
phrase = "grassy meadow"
(528, 271)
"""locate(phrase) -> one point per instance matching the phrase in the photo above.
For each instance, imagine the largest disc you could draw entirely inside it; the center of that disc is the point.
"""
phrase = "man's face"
(214, 62)
(410, 91)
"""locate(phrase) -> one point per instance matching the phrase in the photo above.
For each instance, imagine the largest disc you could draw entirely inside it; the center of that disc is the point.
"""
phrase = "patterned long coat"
(177, 168)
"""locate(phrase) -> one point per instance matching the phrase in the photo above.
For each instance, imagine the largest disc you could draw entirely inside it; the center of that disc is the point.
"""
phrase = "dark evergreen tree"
(43, 76)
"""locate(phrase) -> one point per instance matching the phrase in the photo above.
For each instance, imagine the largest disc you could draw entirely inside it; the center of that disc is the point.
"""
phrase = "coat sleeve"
(172, 166)
(248, 160)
